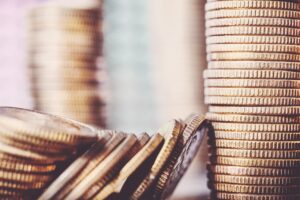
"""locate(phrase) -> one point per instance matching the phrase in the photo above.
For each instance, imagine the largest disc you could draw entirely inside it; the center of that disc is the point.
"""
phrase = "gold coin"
(253, 56)
(242, 153)
(235, 196)
(25, 177)
(251, 83)
(253, 171)
(254, 74)
(253, 118)
(255, 189)
(63, 63)
(257, 180)
(281, 22)
(252, 39)
(261, 65)
(270, 48)
(20, 186)
(103, 172)
(171, 133)
(248, 162)
(108, 147)
(217, 5)
(259, 145)
(252, 30)
(251, 101)
(115, 185)
(276, 110)
(180, 159)
(261, 136)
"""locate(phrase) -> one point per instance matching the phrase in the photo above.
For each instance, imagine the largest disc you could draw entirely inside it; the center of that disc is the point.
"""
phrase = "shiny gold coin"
(257, 180)
(25, 177)
(253, 118)
(248, 162)
(253, 56)
(252, 30)
(97, 178)
(235, 196)
(286, 154)
(261, 136)
(254, 189)
(251, 74)
(179, 161)
(261, 65)
(276, 110)
(252, 39)
(171, 133)
(253, 171)
(270, 48)
(251, 83)
(258, 145)
(251, 101)
(117, 138)
(115, 185)
(217, 5)
(21, 186)
(239, 13)
(253, 22)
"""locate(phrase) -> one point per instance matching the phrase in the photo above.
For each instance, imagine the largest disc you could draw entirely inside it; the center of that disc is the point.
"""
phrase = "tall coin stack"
(252, 88)
(64, 52)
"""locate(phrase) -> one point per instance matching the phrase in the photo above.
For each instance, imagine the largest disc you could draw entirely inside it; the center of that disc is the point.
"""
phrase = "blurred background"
(128, 65)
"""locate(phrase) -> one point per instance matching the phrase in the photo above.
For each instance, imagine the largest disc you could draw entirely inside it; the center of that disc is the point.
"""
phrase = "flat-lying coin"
(275, 110)
(234, 196)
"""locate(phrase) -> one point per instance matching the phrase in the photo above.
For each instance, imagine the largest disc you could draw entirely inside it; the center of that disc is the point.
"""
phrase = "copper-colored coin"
(235, 196)
(275, 110)
(171, 133)
(23, 177)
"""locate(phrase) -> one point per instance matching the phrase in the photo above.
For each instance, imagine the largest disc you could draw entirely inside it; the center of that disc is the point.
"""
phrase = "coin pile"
(64, 52)
(47, 157)
(252, 88)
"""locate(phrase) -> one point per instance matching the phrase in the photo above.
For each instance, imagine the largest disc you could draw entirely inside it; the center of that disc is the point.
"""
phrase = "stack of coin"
(252, 88)
(64, 52)
(131, 167)
(35, 147)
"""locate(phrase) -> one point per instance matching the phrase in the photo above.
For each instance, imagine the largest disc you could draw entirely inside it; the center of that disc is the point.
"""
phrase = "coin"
(171, 132)
(235, 196)
(217, 5)
(276, 110)
(252, 74)
(253, 171)
(259, 136)
(130, 168)
(184, 152)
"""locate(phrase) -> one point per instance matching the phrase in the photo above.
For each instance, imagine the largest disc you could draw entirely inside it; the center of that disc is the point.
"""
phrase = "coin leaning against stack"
(251, 86)
(47, 157)
(64, 52)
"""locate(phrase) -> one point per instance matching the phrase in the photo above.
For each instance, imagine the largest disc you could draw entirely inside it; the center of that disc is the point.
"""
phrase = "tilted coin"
(245, 153)
(251, 4)
(171, 132)
(235, 196)
(141, 157)
(258, 136)
(256, 127)
(253, 22)
(248, 162)
(261, 65)
(254, 56)
(253, 171)
(96, 176)
(253, 39)
(184, 152)
(252, 30)
(255, 189)
(256, 180)
(276, 110)
(258, 145)
(270, 48)
(232, 13)
(251, 83)
(251, 101)
(252, 74)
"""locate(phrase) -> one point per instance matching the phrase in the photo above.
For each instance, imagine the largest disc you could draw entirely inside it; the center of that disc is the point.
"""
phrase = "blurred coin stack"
(252, 88)
(34, 148)
(64, 52)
